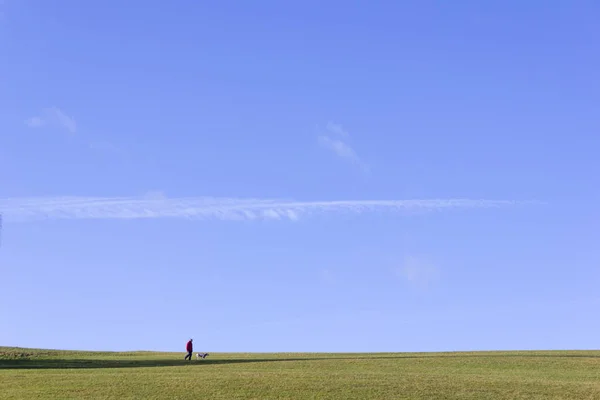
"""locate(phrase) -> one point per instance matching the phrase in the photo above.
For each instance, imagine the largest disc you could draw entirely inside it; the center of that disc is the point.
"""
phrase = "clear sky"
(238, 172)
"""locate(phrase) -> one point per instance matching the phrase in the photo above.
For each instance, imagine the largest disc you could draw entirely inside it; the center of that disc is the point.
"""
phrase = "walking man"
(190, 348)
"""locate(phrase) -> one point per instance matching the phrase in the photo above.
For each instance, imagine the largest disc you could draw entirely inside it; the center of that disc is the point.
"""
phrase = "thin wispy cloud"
(338, 147)
(53, 116)
(337, 129)
(159, 206)
(335, 139)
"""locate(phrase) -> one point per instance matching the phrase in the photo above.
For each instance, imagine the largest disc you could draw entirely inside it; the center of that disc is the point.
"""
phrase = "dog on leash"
(201, 355)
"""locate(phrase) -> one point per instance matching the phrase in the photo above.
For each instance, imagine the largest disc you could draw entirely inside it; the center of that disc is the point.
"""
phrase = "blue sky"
(238, 172)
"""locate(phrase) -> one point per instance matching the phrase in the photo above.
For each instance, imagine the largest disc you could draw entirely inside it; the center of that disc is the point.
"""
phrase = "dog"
(201, 355)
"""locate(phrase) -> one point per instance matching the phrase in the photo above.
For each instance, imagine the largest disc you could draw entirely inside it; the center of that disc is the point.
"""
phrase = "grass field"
(43, 374)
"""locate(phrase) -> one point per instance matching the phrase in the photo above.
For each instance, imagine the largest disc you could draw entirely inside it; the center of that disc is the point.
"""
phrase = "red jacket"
(189, 346)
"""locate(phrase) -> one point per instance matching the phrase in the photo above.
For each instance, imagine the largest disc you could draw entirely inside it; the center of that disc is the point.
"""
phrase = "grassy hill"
(46, 374)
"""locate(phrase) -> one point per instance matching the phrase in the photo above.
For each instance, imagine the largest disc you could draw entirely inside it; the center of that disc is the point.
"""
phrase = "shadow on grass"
(55, 363)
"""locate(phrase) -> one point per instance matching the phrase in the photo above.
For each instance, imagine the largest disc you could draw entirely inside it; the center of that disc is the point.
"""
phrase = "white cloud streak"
(53, 116)
(204, 208)
(340, 147)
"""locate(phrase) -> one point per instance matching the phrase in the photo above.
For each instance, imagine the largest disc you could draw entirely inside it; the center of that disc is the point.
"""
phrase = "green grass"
(43, 374)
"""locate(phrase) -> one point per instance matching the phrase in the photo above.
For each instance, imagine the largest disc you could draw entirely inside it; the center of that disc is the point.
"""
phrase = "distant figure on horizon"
(190, 348)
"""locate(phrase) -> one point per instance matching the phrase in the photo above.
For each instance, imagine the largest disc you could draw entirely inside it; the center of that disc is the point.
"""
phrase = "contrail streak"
(36, 208)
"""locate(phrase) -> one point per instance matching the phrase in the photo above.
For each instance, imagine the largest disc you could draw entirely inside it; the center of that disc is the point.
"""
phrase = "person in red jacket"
(190, 348)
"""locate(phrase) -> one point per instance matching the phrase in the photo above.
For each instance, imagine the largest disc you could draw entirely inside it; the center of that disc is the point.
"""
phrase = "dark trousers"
(189, 355)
